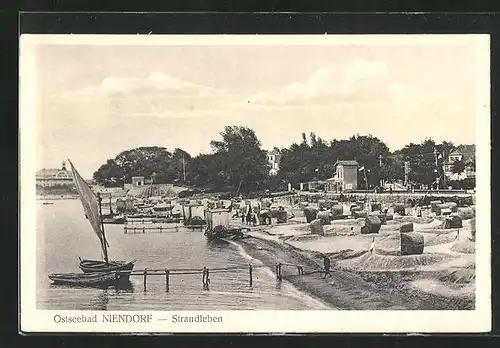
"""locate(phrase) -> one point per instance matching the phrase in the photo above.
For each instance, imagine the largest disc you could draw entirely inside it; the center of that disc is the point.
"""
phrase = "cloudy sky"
(95, 101)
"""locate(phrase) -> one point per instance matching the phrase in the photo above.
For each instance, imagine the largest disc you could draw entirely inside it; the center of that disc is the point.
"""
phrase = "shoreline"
(314, 300)
(347, 289)
(55, 197)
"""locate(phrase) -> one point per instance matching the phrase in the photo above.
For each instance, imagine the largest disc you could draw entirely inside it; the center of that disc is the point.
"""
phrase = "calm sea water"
(63, 234)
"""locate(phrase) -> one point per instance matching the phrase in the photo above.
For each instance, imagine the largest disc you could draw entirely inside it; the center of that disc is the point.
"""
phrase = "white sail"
(90, 206)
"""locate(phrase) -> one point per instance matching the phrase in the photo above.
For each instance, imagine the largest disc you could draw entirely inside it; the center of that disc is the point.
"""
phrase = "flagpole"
(184, 167)
(437, 171)
(444, 170)
(366, 180)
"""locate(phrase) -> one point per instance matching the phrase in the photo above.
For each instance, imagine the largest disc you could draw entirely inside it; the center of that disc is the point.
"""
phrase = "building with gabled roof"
(465, 153)
(273, 158)
(51, 177)
(345, 177)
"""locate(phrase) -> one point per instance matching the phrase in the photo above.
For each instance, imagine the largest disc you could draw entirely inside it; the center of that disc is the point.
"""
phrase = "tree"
(423, 160)
(205, 171)
(472, 163)
(315, 159)
(458, 166)
(180, 163)
(241, 159)
(143, 161)
(109, 174)
(392, 168)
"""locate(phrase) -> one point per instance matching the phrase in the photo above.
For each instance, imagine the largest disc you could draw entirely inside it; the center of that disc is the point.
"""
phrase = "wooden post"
(125, 230)
(144, 230)
(250, 273)
(203, 277)
(207, 280)
(145, 277)
(160, 228)
(167, 280)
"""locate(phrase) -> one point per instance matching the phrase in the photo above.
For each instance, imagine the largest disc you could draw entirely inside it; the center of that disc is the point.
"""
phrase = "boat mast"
(110, 206)
(105, 242)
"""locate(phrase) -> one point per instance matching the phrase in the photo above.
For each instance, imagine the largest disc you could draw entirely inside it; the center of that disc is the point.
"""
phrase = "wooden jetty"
(205, 272)
(153, 220)
(144, 229)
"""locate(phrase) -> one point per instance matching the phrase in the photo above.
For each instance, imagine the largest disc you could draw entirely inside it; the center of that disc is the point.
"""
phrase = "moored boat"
(101, 279)
(116, 219)
(96, 266)
(218, 225)
(162, 207)
(93, 211)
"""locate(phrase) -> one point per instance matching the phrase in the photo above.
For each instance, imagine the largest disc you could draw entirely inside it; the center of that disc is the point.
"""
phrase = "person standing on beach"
(326, 264)
(249, 215)
(372, 246)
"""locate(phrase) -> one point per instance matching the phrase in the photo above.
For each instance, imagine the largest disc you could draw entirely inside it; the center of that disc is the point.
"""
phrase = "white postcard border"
(478, 320)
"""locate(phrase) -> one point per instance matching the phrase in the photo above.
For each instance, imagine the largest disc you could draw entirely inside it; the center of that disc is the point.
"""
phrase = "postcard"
(255, 183)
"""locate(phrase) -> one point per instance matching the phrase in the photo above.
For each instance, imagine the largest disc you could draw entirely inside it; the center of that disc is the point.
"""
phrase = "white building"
(345, 177)
(466, 154)
(138, 181)
(273, 157)
(54, 177)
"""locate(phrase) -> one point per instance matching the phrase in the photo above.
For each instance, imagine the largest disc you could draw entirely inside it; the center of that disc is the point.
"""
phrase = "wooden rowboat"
(88, 279)
(117, 219)
(98, 266)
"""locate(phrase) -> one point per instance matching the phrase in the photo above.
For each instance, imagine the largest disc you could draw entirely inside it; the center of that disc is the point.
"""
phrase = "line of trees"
(237, 162)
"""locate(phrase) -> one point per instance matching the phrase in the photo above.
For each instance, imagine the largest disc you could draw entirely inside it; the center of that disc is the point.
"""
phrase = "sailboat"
(93, 211)
(112, 218)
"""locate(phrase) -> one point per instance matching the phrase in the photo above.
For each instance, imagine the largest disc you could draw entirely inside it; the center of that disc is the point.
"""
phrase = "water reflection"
(124, 287)
(100, 302)
(217, 244)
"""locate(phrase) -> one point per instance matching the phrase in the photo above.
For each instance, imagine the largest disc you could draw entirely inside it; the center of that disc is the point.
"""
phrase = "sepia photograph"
(315, 174)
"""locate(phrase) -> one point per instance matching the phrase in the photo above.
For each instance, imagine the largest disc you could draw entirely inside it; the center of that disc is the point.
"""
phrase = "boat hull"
(103, 279)
(118, 221)
(98, 266)
(218, 234)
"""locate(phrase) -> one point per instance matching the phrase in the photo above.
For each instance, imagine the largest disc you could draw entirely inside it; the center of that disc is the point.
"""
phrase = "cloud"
(157, 94)
(156, 83)
(360, 80)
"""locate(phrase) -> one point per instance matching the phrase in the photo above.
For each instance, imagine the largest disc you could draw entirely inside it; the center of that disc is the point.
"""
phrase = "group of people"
(248, 216)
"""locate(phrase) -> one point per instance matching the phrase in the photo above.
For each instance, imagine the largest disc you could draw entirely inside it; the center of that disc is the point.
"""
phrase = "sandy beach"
(443, 277)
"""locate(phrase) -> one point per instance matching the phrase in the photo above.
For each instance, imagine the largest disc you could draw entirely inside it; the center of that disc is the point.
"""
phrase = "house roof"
(48, 173)
(467, 151)
(347, 162)
(273, 152)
